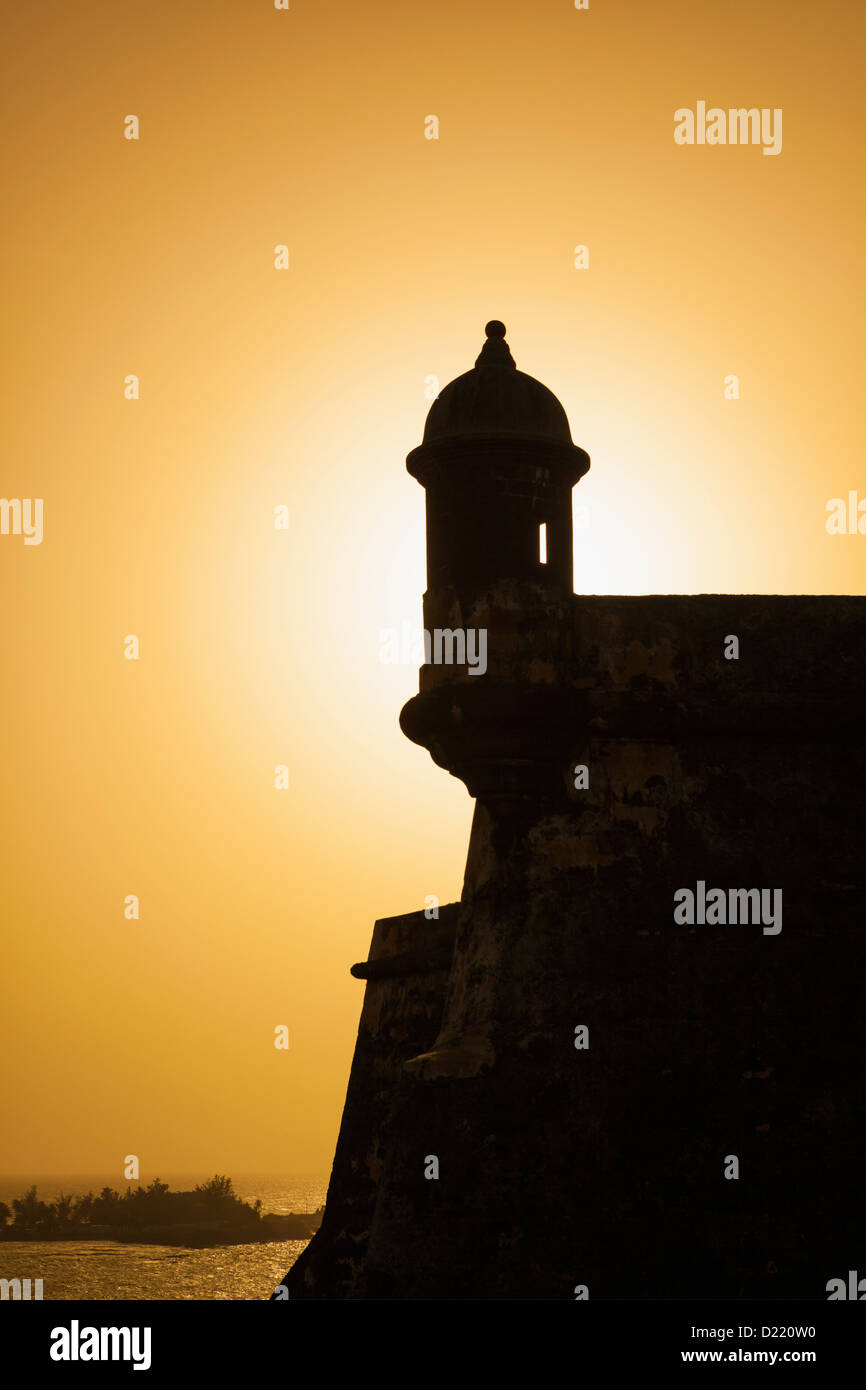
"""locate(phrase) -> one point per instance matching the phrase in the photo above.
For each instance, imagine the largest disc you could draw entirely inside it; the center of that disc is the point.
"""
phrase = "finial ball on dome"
(495, 329)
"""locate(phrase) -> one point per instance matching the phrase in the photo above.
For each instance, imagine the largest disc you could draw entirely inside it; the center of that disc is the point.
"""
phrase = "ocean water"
(101, 1269)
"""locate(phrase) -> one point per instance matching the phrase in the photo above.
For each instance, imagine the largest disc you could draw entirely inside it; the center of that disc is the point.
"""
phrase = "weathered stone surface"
(406, 970)
(604, 1165)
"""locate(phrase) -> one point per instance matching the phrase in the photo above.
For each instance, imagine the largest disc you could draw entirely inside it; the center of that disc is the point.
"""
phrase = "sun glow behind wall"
(306, 388)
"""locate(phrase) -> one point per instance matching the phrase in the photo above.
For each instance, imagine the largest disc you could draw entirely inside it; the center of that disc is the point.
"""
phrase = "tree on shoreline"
(214, 1201)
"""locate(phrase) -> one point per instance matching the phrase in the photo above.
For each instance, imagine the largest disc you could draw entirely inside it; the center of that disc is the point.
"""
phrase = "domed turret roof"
(496, 399)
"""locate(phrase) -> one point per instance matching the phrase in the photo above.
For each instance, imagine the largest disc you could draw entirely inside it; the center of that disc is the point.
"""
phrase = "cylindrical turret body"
(498, 466)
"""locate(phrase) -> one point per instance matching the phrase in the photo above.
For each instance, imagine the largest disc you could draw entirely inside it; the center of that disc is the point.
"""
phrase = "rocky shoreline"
(270, 1227)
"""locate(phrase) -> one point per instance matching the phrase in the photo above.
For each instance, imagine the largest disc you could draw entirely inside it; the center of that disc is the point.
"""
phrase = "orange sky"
(305, 387)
